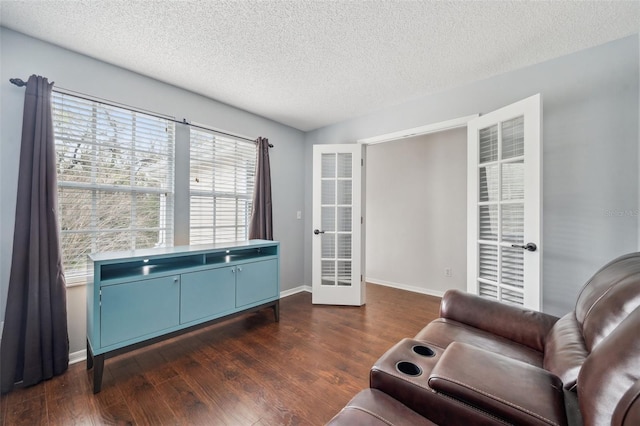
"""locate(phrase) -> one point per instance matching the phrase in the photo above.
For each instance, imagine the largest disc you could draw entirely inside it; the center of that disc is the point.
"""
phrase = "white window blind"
(501, 211)
(222, 174)
(115, 179)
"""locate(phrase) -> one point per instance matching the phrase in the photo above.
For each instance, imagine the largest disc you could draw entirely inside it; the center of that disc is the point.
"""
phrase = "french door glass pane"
(513, 138)
(513, 223)
(488, 262)
(510, 296)
(344, 273)
(328, 219)
(489, 183)
(489, 222)
(344, 219)
(344, 165)
(513, 180)
(328, 192)
(328, 165)
(344, 246)
(344, 192)
(328, 272)
(337, 199)
(488, 290)
(512, 271)
(489, 144)
(328, 246)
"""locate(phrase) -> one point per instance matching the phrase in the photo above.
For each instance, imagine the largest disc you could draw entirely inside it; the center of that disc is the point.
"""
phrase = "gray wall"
(590, 154)
(22, 56)
(416, 204)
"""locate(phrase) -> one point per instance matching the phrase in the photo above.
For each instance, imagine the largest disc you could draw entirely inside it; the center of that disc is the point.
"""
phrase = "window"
(115, 179)
(222, 174)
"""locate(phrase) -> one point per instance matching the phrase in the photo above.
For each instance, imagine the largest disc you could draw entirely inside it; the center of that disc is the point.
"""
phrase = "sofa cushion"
(511, 390)
(441, 332)
(371, 407)
(565, 350)
(523, 326)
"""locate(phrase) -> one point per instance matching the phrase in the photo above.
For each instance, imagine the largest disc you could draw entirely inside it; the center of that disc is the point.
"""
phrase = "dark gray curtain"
(261, 225)
(35, 343)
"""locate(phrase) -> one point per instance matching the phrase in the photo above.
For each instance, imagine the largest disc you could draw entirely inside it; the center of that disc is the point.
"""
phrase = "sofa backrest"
(608, 380)
(603, 303)
(608, 298)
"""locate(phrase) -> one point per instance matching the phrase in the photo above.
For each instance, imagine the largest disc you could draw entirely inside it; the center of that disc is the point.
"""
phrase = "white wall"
(21, 56)
(590, 154)
(416, 207)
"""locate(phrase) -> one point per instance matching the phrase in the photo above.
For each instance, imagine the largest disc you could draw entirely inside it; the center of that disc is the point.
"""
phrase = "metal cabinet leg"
(276, 310)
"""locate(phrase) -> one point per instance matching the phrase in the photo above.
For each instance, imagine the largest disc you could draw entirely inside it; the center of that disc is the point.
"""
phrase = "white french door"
(504, 204)
(337, 261)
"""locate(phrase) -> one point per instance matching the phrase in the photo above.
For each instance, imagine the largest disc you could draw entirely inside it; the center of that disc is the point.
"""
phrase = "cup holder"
(423, 350)
(408, 368)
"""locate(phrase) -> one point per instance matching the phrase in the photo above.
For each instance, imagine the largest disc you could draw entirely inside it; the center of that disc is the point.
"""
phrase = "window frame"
(63, 136)
(178, 200)
(245, 151)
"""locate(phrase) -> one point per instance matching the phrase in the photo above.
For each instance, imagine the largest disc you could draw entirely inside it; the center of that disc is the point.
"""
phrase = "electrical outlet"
(298, 215)
(447, 272)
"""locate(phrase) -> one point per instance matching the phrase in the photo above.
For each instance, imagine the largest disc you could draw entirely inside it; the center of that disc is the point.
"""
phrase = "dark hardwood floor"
(245, 371)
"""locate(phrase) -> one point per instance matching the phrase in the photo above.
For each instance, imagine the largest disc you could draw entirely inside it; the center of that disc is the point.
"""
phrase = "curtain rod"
(21, 83)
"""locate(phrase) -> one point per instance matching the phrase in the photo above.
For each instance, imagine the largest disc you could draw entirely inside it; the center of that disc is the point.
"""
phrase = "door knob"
(317, 231)
(528, 246)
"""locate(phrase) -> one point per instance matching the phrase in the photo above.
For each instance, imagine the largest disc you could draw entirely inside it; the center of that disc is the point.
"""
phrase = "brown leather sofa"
(483, 362)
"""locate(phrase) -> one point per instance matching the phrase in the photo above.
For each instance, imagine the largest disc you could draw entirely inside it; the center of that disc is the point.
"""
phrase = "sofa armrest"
(511, 390)
(520, 325)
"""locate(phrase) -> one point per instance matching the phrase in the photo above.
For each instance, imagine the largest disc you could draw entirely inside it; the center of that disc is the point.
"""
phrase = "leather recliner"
(491, 363)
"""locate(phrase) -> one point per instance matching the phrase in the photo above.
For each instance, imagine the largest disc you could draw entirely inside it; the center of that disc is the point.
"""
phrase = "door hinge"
(360, 278)
(362, 162)
(100, 300)
(361, 220)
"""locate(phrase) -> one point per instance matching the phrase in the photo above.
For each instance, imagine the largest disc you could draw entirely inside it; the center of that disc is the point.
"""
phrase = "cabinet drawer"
(256, 281)
(138, 308)
(207, 293)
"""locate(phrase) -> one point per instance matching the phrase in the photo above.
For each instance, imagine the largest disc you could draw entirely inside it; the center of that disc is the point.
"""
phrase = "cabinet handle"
(239, 269)
(176, 279)
(233, 270)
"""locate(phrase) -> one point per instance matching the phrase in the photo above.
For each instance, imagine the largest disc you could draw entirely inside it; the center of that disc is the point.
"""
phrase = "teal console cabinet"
(140, 297)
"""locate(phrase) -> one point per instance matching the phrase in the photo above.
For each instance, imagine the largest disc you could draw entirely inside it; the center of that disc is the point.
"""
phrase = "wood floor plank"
(32, 411)
(115, 414)
(190, 407)
(215, 386)
(246, 371)
(69, 399)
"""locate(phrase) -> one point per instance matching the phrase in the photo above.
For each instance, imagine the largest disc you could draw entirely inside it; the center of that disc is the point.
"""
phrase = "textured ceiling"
(308, 64)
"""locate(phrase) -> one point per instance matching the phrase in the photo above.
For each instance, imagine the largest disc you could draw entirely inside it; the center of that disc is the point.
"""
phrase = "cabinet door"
(207, 293)
(138, 308)
(256, 282)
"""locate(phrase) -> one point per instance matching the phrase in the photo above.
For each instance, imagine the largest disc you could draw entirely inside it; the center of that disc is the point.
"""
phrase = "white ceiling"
(309, 64)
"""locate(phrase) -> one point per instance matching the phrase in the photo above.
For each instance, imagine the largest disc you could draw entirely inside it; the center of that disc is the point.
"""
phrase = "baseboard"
(76, 357)
(295, 290)
(405, 287)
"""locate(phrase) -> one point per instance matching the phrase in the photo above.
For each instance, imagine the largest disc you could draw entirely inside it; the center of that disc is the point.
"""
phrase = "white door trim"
(421, 130)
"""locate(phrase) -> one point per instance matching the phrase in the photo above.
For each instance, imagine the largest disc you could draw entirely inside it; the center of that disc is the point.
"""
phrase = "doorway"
(416, 206)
